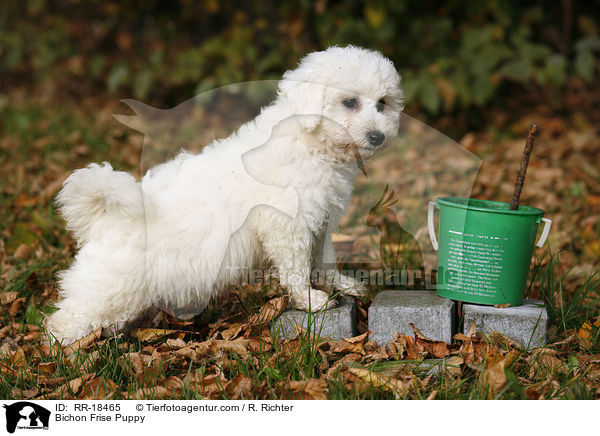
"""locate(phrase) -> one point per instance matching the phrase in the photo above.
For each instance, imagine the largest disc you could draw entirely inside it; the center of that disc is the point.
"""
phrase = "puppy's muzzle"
(375, 137)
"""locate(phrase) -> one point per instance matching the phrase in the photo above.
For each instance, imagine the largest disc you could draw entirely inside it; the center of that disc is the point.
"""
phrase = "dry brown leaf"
(174, 383)
(51, 381)
(47, 367)
(80, 345)
(545, 359)
(239, 387)
(8, 297)
(424, 344)
(310, 389)
(4, 331)
(132, 363)
(15, 306)
(199, 350)
(233, 331)
(397, 387)
(98, 389)
(238, 346)
(176, 344)
(154, 392)
(89, 361)
(71, 389)
(586, 330)
(18, 359)
(379, 354)
(24, 394)
(150, 335)
(502, 306)
(494, 376)
(23, 251)
(206, 384)
(169, 319)
(260, 345)
(269, 311)
(33, 336)
(410, 346)
(351, 345)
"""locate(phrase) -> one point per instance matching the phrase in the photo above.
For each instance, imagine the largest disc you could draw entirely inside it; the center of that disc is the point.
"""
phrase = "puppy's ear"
(305, 99)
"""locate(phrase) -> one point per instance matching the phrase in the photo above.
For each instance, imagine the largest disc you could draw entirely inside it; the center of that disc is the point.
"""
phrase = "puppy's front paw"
(313, 301)
(349, 286)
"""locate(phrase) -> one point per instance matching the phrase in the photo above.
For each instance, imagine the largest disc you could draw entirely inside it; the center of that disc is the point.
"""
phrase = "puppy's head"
(350, 98)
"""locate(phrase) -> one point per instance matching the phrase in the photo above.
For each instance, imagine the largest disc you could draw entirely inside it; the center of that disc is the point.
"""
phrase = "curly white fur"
(273, 191)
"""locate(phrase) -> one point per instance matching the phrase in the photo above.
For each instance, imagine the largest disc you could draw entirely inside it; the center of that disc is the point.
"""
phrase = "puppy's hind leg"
(98, 292)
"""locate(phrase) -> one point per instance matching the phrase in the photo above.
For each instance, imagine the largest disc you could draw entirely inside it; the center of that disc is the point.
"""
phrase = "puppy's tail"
(96, 191)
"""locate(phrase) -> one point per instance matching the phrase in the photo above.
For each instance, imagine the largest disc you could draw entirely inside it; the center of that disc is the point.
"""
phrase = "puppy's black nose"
(375, 137)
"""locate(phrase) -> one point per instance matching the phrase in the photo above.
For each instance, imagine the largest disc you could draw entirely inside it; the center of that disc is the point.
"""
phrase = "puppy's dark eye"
(380, 105)
(350, 103)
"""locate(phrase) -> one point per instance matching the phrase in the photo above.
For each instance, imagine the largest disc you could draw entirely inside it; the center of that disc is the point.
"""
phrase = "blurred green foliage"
(453, 55)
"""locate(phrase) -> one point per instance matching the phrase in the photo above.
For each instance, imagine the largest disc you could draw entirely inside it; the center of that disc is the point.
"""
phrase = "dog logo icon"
(26, 415)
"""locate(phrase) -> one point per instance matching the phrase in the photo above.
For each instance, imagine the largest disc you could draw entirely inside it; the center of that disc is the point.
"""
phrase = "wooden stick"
(514, 204)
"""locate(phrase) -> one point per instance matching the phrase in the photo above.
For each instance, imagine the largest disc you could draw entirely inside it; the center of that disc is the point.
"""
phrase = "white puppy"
(273, 191)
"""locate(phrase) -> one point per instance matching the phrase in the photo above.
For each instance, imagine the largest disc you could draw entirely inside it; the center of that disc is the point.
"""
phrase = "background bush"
(454, 55)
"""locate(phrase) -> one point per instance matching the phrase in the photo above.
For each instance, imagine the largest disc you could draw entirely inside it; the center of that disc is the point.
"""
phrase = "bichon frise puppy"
(273, 191)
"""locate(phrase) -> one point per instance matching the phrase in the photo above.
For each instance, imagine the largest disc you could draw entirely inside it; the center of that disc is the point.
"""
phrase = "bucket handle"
(432, 236)
(544, 235)
(434, 242)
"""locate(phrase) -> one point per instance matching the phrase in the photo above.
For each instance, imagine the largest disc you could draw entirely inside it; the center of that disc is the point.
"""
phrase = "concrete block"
(336, 323)
(393, 311)
(526, 324)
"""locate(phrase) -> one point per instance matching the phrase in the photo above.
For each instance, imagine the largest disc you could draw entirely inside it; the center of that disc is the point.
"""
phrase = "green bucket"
(485, 249)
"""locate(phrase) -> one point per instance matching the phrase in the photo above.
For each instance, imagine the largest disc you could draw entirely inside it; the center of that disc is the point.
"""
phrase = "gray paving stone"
(336, 323)
(526, 324)
(393, 311)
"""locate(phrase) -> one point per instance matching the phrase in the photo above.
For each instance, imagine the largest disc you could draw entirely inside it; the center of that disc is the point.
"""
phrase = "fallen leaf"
(15, 306)
(233, 331)
(174, 383)
(269, 311)
(424, 344)
(309, 389)
(206, 384)
(23, 251)
(89, 361)
(8, 297)
(397, 387)
(410, 346)
(154, 392)
(239, 387)
(585, 332)
(502, 306)
(18, 359)
(150, 335)
(24, 394)
(71, 389)
(131, 363)
(176, 321)
(47, 367)
(176, 344)
(545, 359)
(494, 377)
(82, 344)
(98, 389)
(452, 366)
(351, 345)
